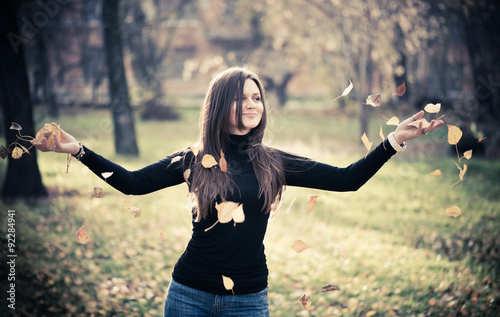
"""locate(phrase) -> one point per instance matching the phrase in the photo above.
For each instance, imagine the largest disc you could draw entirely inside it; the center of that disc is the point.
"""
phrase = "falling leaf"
(304, 300)
(330, 288)
(453, 211)
(366, 142)
(98, 193)
(370, 313)
(106, 175)
(436, 173)
(312, 202)
(17, 152)
(433, 108)
(176, 159)
(194, 149)
(374, 100)
(187, 173)
(481, 140)
(415, 124)
(461, 174)
(48, 131)
(454, 134)
(136, 211)
(227, 211)
(163, 236)
(393, 121)
(222, 162)
(25, 150)
(400, 91)
(346, 91)
(68, 160)
(3, 152)
(81, 236)
(238, 214)
(208, 161)
(299, 246)
(15, 126)
(381, 133)
(228, 283)
(468, 154)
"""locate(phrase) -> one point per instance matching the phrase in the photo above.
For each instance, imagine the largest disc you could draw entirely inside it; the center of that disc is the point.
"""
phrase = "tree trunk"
(23, 179)
(121, 110)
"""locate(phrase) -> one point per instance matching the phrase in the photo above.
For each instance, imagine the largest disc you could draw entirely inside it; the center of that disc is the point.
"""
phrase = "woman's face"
(251, 110)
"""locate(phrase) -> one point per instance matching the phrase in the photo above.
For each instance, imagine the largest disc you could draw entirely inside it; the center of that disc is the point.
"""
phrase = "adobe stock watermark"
(11, 259)
(29, 28)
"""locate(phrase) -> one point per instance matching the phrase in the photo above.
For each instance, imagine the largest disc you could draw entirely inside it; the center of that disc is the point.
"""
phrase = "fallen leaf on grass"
(370, 313)
(374, 100)
(81, 236)
(453, 211)
(346, 91)
(433, 108)
(228, 283)
(208, 161)
(330, 288)
(304, 300)
(299, 246)
(312, 202)
(400, 91)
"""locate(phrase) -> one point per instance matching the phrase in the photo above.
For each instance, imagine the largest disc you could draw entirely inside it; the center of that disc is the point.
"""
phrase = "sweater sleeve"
(303, 172)
(164, 173)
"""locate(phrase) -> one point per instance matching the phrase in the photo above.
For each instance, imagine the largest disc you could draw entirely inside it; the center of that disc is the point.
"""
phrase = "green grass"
(389, 247)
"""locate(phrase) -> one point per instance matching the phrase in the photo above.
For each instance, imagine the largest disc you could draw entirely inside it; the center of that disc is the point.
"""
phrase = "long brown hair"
(212, 184)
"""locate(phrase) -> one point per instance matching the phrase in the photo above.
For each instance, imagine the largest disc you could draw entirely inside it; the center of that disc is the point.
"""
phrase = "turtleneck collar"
(238, 144)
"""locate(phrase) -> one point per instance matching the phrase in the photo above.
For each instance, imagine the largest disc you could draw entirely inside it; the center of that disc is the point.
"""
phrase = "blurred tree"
(23, 179)
(121, 110)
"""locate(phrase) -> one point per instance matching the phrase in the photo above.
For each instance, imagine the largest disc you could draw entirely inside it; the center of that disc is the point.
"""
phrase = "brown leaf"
(436, 173)
(393, 121)
(48, 131)
(98, 193)
(346, 91)
(3, 152)
(468, 154)
(228, 283)
(299, 246)
(136, 211)
(433, 108)
(163, 236)
(17, 152)
(208, 161)
(222, 162)
(304, 300)
(366, 142)
(415, 124)
(330, 288)
(481, 140)
(374, 100)
(453, 211)
(81, 236)
(400, 91)
(454, 134)
(312, 202)
(15, 126)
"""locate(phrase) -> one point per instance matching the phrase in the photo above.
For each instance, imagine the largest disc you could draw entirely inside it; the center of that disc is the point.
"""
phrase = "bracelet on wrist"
(81, 152)
(395, 145)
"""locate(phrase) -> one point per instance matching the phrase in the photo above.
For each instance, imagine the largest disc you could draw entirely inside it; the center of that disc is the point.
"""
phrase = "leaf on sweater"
(208, 161)
(374, 100)
(312, 202)
(136, 211)
(366, 142)
(227, 211)
(238, 214)
(400, 91)
(81, 236)
(346, 91)
(433, 108)
(454, 134)
(222, 162)
(186, 174)
(436, 172)
(393, 121)
(175, 159)
(304, 300)
(453, 211)
(106, 175)
(228, 283)
(330, 288)
(98, 193)
(299, 246)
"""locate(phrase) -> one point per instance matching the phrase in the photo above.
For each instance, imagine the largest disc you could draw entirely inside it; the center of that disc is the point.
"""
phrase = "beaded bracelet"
(395, 145)
(80, 153)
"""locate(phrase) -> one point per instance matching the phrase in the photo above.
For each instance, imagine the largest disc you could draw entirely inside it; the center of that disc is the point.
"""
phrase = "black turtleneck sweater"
(229, 249)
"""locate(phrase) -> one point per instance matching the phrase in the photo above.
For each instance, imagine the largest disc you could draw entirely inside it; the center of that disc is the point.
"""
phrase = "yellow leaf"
(381, 133)
(312, 202)
(393, 121)
(81, 236)
(106, 175)
(371, 313)
(187, 173)
(415, 124)
(194, 149)
(366, 142)
(461, 174)
(454, 134)
(304, 300)
(17, 152)
(453, 211)
(228, 283)
(299, 246)
(433, 108)
(176, 159)
(436, 173)
(136, 211)
(346, 91)
(208, 161)
(238, 214)
(374, 100)
(468, 154)
(49, 131)
(225, 211)
(222, 162)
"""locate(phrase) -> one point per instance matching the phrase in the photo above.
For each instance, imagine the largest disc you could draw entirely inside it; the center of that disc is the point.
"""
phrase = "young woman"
(233, 121)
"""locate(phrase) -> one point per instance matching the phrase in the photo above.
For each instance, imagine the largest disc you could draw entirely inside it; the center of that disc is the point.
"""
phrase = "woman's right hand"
(67, 143)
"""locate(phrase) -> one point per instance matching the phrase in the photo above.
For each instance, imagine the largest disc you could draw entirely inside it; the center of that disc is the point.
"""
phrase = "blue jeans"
(184, 301)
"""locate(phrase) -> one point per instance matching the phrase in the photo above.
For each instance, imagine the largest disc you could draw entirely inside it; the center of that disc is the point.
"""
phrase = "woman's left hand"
(405, 132)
